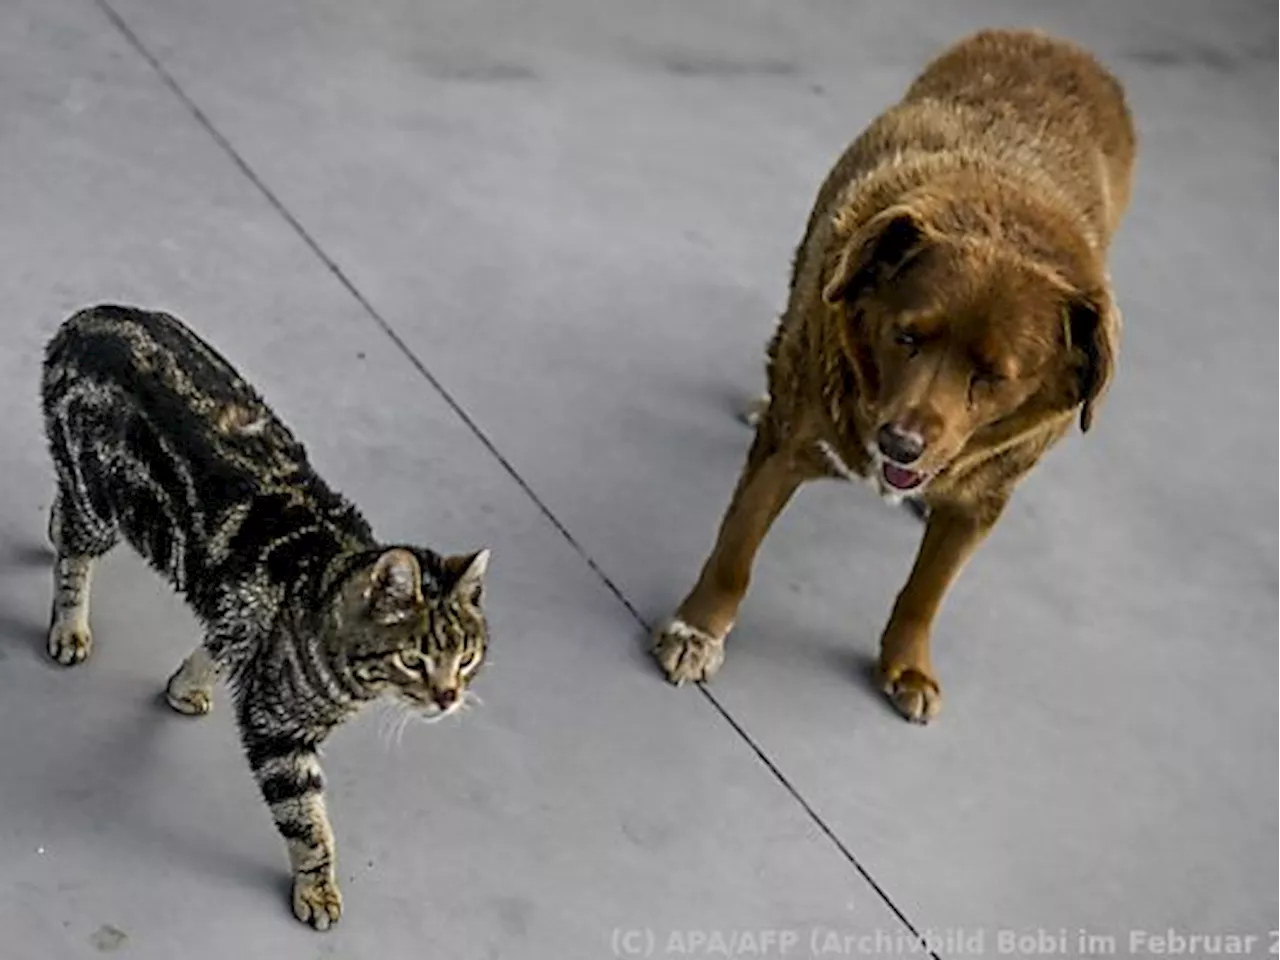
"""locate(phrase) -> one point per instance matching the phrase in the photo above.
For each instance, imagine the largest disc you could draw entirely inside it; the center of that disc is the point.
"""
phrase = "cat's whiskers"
(386, 720)
(394, 716)
(406, 715)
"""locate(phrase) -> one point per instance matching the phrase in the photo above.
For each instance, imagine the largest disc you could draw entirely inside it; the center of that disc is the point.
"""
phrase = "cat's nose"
(446, 698)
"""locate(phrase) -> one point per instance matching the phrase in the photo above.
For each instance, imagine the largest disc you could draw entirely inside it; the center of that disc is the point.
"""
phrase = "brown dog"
(950, 311)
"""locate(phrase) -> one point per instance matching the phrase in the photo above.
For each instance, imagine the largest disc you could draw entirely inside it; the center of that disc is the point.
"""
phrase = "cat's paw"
(686, 653)
(190, 689)
(69, 643)
(317, 901)
(188, 700)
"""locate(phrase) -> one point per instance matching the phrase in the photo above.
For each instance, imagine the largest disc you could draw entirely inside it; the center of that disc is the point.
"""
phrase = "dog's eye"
(983, 382)
(907, 339)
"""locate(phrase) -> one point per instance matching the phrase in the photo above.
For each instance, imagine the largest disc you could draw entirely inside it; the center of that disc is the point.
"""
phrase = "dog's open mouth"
(901, 478)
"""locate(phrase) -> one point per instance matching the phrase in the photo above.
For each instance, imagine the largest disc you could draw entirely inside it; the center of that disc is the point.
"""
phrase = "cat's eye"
(468, 660)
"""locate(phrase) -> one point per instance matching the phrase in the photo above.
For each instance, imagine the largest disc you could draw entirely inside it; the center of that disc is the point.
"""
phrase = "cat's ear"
(395, 586)
(469, 571)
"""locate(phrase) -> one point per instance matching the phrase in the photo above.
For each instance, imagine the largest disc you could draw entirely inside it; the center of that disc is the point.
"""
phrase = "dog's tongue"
(900, 477)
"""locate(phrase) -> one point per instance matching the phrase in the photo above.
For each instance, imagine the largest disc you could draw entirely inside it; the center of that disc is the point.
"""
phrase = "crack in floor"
(201, 118)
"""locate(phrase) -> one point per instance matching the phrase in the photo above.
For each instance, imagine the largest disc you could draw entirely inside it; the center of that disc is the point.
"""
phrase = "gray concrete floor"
(577, 216)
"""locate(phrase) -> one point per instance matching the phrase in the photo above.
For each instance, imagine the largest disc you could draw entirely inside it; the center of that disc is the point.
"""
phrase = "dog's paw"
(686, 653)
(317, 901)
(69, 643)
(914, 693)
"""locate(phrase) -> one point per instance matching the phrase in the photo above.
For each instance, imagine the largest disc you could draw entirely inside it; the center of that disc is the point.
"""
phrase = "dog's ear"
(886, 244)
(1092, 330)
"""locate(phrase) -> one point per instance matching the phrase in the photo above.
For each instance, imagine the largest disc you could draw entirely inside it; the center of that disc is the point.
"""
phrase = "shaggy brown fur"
(950, 314)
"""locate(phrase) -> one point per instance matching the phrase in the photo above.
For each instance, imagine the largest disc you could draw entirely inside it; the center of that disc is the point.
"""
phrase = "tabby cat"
(306, 616)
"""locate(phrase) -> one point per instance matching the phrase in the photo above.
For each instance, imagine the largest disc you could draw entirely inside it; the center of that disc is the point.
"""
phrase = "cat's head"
(409, 623)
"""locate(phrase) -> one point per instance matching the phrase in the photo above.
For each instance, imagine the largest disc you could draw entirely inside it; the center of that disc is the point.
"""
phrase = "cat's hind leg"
(70, 639)
(78, 540)
(190, 689)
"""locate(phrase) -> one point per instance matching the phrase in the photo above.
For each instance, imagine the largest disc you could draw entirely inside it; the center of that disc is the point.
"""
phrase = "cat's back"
(144, 379)
(153, 356)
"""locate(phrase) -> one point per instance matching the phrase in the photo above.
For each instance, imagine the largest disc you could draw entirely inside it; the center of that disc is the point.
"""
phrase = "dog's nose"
(900, 446)
(446, 698)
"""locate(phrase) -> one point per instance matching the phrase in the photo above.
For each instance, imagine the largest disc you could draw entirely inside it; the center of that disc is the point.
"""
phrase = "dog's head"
(959, 343)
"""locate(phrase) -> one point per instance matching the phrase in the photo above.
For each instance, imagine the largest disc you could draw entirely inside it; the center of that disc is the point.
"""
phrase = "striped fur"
(157, 440)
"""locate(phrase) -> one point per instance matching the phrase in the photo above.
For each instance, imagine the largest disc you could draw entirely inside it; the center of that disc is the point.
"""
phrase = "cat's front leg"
(289, 776)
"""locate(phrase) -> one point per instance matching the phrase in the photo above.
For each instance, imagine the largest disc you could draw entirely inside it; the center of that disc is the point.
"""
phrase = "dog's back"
(1045, 105)
(1038, 114)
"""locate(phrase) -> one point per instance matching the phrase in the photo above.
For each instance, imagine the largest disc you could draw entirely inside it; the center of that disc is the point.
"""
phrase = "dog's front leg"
(906, 669)
(690, 645)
